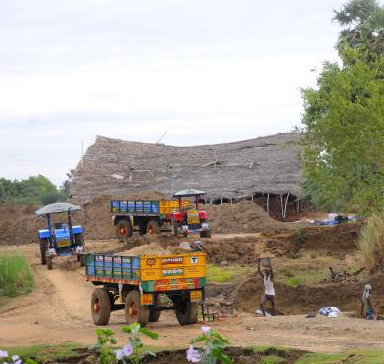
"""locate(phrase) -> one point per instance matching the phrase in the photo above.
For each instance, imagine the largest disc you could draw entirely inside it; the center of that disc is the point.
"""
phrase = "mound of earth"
(240, 217)
(18, 224)
(306, 299)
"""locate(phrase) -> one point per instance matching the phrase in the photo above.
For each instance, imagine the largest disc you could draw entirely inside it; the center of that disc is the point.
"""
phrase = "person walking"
(269, 290)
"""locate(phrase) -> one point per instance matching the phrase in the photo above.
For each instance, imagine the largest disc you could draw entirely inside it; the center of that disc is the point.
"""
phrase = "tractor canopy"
(189, 192)
(56, 208)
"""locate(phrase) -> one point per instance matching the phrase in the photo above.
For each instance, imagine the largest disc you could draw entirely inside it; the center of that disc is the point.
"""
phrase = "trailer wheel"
(205, 234)
(154, 314)
(100, 306)
(153, 227)
(124, 230)
(134, 311)
(43, 249)
(49, 262)
(186, 312)
(175, 228)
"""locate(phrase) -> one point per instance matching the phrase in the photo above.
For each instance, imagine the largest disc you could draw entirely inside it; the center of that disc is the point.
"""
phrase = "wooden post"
(268, 203)
(282, 208)
(285, 207)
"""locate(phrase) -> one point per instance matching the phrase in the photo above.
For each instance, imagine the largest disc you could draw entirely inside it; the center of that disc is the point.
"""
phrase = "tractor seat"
(59, 225)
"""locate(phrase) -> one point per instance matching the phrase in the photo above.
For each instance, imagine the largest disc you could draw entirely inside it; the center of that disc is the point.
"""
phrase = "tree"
(363, 26)
(343, 134)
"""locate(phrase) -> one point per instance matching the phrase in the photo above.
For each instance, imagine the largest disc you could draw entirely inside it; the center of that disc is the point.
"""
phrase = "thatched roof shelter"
(231, 170)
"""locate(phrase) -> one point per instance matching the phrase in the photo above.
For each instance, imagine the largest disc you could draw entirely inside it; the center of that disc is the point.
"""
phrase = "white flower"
(17, 361)
(15, 357)
(193, 355)
(127, 350)
(119, 354)
(206, 329)
(3, 354)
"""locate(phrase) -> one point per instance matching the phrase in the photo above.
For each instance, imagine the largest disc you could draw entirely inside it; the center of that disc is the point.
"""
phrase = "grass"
(16, 275)
(371, 241)
(228, 274)
(356, 357)
(45, 352)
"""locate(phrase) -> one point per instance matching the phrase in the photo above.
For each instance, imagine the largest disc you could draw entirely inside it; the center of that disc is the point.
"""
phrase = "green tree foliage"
(362, 23)
(343, 134)
(34, 190)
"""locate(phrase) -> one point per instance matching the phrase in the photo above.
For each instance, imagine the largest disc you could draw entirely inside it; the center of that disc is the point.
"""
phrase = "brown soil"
(306, 299)
(238, 355)
(241, 217)
(18, 224)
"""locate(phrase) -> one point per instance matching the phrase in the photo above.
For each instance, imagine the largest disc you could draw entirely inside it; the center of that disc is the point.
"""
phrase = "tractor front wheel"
(134, 311)
(100, 306)
(49, 262)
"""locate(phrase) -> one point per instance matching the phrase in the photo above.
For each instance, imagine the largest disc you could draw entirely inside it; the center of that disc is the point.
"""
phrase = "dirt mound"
(332, 240)
(240, 217)
(306, 299)
(18, 224)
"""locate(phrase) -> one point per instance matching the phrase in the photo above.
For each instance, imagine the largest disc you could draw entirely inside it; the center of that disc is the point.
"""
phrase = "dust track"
(59, 310)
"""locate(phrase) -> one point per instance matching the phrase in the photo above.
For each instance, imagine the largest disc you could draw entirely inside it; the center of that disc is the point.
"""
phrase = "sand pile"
(241, 217)
(154, 248)
(18, 224)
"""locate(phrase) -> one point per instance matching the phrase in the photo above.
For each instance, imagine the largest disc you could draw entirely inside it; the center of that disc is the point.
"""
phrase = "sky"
(203, 71)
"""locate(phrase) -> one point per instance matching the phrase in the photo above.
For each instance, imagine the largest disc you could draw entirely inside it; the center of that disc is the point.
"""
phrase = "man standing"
(269, 293)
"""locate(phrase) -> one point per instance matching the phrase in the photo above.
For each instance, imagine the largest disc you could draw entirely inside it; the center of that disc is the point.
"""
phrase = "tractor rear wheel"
(186, 312)
(124, 230)
(153, 227)
(43, 249)
(100, 306)
(154, 314)
(134, 311)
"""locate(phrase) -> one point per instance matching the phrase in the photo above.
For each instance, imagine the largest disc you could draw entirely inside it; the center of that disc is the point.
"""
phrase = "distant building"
(265, 169)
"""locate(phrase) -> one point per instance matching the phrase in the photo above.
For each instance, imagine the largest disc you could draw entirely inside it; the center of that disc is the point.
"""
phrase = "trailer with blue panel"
(180, 215)
(145, 285)
(61, 238)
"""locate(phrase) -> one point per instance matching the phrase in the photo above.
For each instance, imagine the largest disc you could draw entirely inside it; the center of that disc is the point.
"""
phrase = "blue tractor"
(61, 239)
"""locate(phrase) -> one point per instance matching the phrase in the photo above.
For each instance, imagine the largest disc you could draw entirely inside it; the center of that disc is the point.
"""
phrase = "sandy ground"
(59, 310)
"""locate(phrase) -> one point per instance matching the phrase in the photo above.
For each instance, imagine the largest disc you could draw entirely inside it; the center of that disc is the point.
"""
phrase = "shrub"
(16, 275)
(371, 242)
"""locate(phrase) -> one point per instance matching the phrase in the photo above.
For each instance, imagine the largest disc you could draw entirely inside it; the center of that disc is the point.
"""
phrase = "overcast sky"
(205, 71)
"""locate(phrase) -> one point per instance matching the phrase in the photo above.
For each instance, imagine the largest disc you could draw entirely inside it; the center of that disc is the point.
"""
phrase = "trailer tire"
(154, 314)
(124, 230)
(43, 250)
(134, 311)
(100, 306)
(49, 262)
(153, 227)
(175, 228)
(186, 312)
(205, 234)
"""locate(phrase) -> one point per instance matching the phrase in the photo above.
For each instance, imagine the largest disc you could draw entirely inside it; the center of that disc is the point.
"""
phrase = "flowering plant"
(212, 350)
(104, 345)
(5, 358)
(135, 349)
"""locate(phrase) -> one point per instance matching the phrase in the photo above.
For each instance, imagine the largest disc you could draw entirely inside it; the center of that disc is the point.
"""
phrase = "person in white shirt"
(269, 294)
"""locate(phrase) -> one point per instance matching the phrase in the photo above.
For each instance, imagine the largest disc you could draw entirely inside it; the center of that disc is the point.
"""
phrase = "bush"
(16, 275)
(371, 242)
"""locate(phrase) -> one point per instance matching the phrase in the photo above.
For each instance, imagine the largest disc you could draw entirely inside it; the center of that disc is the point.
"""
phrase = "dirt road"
(59, 310)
